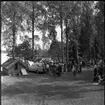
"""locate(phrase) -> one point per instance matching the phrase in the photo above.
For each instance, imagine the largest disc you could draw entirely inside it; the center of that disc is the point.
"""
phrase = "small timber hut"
(14, 67)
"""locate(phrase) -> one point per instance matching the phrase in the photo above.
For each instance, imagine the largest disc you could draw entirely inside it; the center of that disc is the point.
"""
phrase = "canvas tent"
(14, 67)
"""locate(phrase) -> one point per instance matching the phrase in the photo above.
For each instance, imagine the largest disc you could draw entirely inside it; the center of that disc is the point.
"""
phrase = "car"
(39, 64)
(36, 66)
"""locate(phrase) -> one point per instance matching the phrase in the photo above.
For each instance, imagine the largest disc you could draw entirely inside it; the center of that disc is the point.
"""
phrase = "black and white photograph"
(52, 53)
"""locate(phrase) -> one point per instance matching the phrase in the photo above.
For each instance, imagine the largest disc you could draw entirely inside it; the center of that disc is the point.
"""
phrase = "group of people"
(56, 69)
(76, 67)
(99, 75)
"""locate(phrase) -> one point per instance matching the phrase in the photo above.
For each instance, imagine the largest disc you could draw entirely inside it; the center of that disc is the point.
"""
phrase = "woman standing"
(74, 69)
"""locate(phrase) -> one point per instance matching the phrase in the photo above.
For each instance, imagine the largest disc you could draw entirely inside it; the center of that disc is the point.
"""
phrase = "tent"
(14, 67)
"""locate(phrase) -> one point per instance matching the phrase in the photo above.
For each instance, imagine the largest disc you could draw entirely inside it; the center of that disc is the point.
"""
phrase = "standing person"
(100, 71)
(54, 69)
(74, 69)
(95, 78)
(51, 68)
(80, 66)
(70, 66)
(59, 70)
(47, 68)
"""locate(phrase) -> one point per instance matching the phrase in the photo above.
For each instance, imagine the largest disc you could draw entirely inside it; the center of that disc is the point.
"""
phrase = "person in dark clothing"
(53, 69)
(64, 67)
(100, 71)
(59, 70)
(95, 79)
(80, 67)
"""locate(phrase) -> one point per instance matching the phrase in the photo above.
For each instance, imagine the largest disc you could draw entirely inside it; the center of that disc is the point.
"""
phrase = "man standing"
(95, 79)
(80, 67)
(59, 70)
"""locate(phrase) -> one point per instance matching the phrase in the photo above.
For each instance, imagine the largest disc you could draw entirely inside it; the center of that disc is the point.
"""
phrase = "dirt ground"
(42, 89)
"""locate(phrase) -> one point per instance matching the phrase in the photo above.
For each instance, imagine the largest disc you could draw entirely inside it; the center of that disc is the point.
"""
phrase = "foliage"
(24, 50)
(99, 22)
(84, 22)
(55, 50)
(11, 19)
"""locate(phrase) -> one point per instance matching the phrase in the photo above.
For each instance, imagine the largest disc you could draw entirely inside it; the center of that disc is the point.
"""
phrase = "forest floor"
(42, 89)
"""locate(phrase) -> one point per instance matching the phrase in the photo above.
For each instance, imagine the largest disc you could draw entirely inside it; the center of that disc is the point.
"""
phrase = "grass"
(42, 89)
